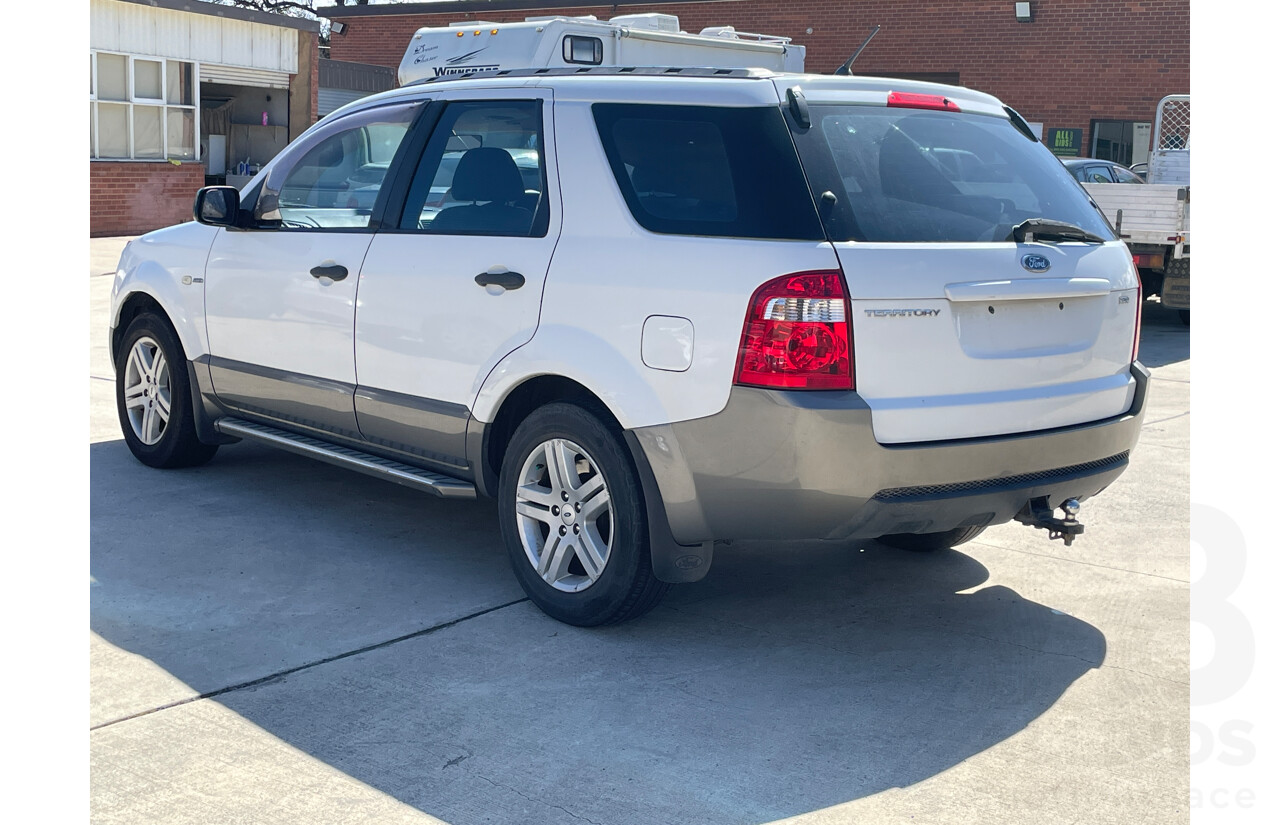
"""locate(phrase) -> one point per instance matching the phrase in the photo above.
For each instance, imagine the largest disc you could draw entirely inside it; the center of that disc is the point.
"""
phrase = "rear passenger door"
(453, 283)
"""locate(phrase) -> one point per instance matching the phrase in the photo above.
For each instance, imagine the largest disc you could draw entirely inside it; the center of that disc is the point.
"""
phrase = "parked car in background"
(1139, 169)
(1093, 170)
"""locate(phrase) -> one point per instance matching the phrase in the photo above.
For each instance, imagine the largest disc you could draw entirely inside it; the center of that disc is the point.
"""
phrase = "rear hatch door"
(976, 312)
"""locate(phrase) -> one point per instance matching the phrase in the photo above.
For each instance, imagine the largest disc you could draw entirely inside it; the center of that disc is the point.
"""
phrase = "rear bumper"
(805, 465)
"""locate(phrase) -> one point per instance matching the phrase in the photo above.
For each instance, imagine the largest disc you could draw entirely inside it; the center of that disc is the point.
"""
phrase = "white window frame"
(132, 99)
(133, 93)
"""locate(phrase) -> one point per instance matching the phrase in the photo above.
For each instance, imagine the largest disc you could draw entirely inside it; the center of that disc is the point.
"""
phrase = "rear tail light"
(797, 336)
(908, 100)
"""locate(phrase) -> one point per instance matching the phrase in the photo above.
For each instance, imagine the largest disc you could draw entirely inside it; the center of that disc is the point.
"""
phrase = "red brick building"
(1098, 66)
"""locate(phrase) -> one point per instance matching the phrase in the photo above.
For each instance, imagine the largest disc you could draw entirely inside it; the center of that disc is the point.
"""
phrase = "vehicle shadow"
(796, 677)
(1165, 339)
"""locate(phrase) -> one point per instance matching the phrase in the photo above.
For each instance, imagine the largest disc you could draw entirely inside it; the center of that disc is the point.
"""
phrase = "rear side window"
(906, 175)
(481, 172)
(708, 170)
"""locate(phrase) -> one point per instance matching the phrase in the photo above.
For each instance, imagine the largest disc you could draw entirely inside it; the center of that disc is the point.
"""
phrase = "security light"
(338, 27)
(1022, 11)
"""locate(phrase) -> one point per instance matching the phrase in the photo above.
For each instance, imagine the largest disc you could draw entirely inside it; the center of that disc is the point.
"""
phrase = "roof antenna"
(845, 68)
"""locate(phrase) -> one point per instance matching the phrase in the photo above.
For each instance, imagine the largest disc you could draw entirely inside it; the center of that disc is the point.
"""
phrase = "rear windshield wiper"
(1046, 230)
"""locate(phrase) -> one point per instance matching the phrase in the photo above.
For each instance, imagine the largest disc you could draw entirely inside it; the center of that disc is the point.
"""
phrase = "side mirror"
(218, 206)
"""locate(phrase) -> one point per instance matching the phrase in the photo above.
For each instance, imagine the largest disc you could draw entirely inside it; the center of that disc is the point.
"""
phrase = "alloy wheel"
(564, 514)
(147, 391)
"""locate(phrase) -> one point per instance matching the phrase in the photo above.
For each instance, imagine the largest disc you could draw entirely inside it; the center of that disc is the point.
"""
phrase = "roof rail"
(730, 33)
(642, 71)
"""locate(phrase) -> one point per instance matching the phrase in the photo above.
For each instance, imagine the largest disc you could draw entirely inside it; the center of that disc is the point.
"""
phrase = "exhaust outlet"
(1038, 513)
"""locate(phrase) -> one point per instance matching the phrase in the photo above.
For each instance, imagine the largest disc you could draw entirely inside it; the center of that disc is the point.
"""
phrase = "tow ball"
(1039, 514)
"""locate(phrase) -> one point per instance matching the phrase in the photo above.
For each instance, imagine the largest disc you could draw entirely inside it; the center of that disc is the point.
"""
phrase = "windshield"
(906, 175)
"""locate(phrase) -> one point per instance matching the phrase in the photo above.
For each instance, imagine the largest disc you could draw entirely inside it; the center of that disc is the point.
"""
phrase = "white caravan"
(475, 47)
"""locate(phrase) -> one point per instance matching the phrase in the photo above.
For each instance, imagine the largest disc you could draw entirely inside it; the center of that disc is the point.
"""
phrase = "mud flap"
(672, 562)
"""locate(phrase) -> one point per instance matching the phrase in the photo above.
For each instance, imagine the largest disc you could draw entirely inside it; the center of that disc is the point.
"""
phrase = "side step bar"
(384, 468)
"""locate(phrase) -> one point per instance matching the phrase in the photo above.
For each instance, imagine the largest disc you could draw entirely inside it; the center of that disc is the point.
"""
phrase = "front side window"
(141, 108)
(910, 175)
(333, 180)
(708, 170)
(482, 173)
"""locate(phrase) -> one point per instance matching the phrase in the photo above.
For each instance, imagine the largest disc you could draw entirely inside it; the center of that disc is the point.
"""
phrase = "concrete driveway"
(276, 640)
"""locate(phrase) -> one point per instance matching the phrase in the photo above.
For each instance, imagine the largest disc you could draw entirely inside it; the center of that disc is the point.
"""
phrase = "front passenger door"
(280, 297)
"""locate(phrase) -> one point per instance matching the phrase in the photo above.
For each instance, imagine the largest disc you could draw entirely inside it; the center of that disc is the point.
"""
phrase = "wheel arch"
(138, 296)
(491, 439)
(488, 443)
(131, 307)
(165, 267)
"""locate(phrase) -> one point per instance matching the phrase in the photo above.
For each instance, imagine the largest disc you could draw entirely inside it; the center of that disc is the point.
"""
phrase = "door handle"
(334, 272)
(506, 280)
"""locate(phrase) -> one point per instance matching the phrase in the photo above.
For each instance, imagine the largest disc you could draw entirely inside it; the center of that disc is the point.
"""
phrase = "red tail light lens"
(907, 100)
(796, 335)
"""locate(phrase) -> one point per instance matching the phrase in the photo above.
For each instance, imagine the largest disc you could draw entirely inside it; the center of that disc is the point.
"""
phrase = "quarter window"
(141, 108)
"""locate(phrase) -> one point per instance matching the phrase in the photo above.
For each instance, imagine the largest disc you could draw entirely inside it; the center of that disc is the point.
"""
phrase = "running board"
(361, 462)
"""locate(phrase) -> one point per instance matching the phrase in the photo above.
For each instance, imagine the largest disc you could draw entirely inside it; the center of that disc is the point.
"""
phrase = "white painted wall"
(145, 30)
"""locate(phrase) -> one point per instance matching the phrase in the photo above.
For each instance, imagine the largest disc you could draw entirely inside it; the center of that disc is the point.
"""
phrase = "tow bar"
(1039, 514)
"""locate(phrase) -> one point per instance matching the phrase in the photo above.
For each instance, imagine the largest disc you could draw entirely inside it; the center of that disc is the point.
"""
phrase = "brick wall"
(1079, 60)
(131, 198)
(313, 50)
(304, 87)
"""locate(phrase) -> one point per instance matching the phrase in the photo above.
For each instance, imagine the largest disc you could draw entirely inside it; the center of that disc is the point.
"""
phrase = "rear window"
(708, 170)
(905, 175)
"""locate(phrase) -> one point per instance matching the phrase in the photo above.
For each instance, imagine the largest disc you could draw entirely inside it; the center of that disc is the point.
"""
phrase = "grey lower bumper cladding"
(797, 465)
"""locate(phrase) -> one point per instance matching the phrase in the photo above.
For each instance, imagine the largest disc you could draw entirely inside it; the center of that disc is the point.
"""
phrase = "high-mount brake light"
(797, 335)
(909, 100)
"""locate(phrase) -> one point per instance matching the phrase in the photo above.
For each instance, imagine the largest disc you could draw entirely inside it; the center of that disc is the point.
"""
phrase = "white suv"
(653, 310)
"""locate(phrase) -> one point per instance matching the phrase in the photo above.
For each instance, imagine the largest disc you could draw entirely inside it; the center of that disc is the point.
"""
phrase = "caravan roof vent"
(652, 22)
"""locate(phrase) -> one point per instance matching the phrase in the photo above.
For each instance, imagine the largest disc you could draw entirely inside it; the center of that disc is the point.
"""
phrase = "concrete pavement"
(365, 655)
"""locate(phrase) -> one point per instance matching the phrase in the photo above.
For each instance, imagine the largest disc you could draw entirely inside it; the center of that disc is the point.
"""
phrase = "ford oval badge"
(1035, 263)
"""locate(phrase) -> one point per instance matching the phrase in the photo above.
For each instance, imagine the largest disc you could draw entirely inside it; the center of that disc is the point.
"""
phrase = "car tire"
(573, 519)
(931, 542)
(153, 397)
